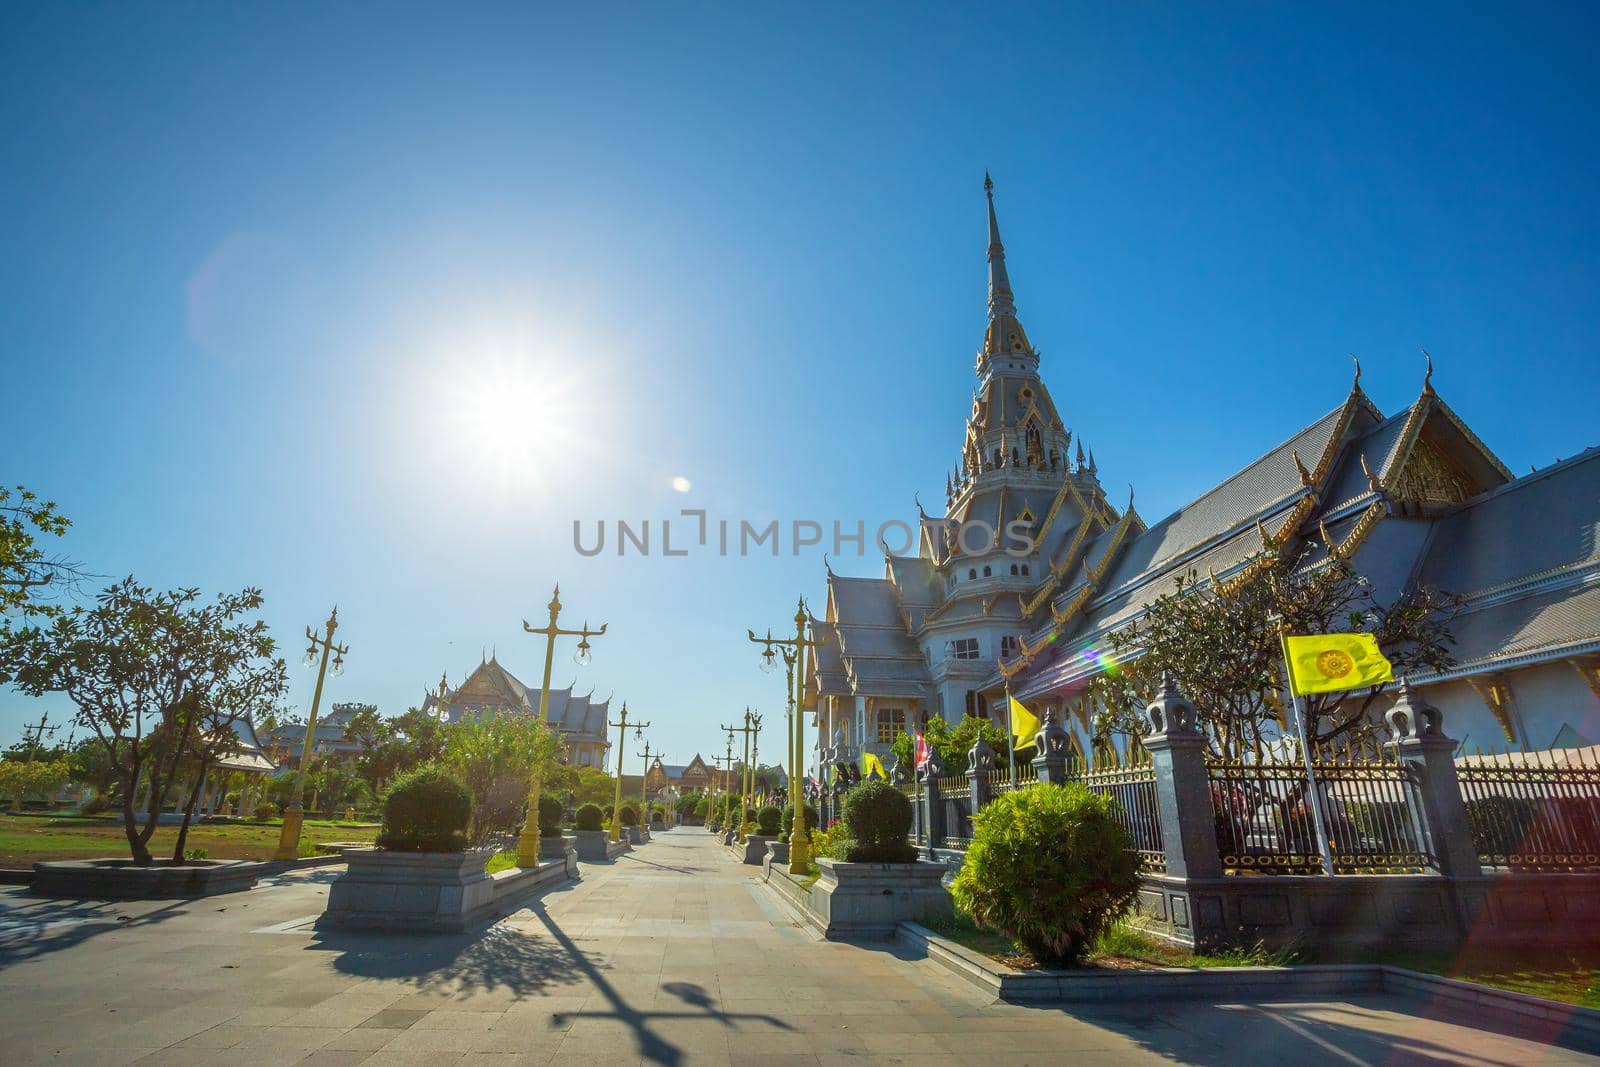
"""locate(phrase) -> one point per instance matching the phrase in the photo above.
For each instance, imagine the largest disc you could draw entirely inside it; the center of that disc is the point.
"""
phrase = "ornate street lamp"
(799, 842)
(316, 647)
(528, 841)
(622, 740)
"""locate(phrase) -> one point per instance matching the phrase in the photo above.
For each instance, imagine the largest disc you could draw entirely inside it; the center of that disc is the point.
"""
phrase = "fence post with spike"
(1428, 755)
(1183, 790)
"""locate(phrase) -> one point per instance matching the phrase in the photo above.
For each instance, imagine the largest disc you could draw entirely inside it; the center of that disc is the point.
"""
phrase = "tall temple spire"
(1000, 298)
(1005, 336)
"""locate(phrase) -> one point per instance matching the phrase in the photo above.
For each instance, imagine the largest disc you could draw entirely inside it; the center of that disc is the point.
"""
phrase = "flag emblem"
(1331, 663)
(1334, 663)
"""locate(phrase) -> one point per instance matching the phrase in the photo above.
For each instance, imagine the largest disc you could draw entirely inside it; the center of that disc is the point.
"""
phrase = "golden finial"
(1305, 475)
(1372, 479)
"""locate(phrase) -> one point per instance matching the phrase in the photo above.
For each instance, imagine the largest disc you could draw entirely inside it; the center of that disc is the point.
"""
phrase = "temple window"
(964, 648)
(1010, 645)
(1024, 570)
(891, 721)
(987, 573)
(1013, 568)
(971, 574)
(977, 706)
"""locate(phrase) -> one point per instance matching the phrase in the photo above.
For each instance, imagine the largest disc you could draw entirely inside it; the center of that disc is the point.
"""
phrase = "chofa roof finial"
(1427, 379)
(1356, 384)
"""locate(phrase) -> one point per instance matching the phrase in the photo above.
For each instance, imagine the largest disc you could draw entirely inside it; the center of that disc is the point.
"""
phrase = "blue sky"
(367, 305)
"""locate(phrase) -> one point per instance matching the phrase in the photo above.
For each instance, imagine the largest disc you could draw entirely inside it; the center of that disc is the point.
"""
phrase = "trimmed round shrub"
(811, 817)
(427, 810)
(550, 812)
(702, 805)
(750, 815)
(630, 815)
(786, 828)
(589, 817)
(877, 819)
(1051, 867)
(768, 820)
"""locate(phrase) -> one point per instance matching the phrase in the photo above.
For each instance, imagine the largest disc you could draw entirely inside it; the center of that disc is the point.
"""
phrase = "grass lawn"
(500, 861)
(25, 840)
(1570, 975)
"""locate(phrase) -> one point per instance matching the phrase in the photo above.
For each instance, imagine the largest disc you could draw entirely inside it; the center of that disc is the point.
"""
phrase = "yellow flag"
(871, 763)
(1329, 663)
(1024, 725)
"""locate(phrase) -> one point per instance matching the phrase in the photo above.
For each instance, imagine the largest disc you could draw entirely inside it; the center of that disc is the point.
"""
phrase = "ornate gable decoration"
(1431, 477)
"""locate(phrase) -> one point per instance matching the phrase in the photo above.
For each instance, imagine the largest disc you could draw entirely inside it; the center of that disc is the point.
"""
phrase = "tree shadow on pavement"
(31, 927)
(500, 957)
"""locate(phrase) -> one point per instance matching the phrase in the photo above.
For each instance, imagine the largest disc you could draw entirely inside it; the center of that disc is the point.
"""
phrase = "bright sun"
(509, 421)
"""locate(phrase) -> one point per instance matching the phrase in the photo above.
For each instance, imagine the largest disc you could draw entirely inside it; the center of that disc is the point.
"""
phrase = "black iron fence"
(1533, 811)
(1266, 815)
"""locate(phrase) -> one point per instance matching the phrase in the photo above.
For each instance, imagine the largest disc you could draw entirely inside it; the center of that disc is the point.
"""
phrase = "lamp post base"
(799, 854)
(528, 848)
(289, 838)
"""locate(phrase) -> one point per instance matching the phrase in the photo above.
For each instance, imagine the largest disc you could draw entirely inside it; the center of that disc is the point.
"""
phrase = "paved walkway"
(671, 955)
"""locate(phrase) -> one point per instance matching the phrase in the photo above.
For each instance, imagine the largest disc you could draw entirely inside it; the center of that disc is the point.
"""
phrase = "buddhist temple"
(580, 720)
(1411, 496)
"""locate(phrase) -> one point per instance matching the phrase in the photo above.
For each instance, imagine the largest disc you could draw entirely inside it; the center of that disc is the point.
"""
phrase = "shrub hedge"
(877, 818)
(589, 817)
(426, 810)
(550, 812)
(768, 820)
(1051, 867)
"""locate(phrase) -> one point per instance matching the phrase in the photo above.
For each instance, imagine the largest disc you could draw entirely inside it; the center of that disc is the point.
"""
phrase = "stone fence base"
(1427, 911)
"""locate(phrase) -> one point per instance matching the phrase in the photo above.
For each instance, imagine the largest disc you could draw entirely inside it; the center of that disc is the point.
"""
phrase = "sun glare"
(507, 421)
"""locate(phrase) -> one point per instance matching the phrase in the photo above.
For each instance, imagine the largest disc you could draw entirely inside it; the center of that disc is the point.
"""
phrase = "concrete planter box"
(119, 879)
(869, 900)
(595, 846)
(590, 845)
(632, 835)
(755, 849)
(730, 835)
(778, 852)
(411, 892)
(554, 848)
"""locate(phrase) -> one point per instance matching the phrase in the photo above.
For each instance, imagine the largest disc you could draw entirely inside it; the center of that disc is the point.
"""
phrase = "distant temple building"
(580, 720)
(1413, 496)
(665, 782)
(289, 739)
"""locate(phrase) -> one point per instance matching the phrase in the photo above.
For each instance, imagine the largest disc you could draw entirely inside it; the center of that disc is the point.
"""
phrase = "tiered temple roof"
(491, 685)
(1414, 496)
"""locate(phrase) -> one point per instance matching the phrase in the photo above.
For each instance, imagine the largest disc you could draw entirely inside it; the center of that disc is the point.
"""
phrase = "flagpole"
(1305, 755)
(1011, 737)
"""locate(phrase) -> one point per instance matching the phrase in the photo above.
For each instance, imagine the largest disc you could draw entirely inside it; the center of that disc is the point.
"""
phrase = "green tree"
(376, 758)
(495, 754)
(1222, 647)
(27, 575)
(156, 677)
(20, 779)
(954, 742)
(419, 736)
(588, 785)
